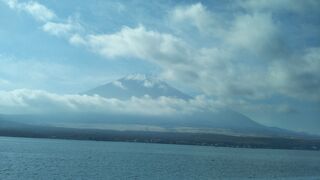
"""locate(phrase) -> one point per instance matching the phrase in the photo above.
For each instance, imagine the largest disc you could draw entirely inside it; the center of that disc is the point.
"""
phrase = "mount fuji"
(221, 121)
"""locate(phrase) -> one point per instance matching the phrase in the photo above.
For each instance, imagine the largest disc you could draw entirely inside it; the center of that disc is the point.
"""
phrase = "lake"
(27, 158)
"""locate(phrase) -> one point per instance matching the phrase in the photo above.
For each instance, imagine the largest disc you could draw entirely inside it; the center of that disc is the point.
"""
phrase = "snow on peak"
(137, 85)
(137, 77)
(146, 80)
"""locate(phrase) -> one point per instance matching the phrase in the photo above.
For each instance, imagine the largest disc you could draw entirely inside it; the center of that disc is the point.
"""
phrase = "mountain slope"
(136, 85)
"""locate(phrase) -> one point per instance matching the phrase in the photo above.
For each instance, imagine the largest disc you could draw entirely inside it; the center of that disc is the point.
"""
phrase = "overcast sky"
(261, 58)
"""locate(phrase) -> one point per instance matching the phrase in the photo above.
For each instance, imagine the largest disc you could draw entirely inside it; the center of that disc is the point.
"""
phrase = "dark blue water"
(23, 158)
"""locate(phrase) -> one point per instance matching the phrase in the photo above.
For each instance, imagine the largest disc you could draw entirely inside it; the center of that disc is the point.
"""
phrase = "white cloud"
(140, 43)
(67, 28)
(57, 28)
(51, 23)
(239, 65)
(256, 33)
(195, 14)
(148, 84)
(119, 84)
(77, 40)
(39, 11)
(37, 101)
(35, 9)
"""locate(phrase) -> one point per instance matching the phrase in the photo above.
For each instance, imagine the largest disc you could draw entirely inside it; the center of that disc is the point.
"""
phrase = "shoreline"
(198, 139)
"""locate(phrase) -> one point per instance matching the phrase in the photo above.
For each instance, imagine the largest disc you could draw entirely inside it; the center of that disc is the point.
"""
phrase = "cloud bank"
(26, 101)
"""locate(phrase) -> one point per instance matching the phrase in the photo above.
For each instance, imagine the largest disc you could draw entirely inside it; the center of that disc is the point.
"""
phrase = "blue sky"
(261, 58)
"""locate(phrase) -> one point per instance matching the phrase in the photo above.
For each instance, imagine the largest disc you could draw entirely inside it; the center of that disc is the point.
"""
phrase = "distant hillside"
(14, 129)
(222, 122)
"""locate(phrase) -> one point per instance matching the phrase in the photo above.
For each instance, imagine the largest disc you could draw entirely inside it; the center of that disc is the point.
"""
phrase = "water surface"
(27, 158)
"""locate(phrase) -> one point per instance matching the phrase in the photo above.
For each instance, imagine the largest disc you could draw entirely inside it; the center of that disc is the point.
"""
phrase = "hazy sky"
(261, 58)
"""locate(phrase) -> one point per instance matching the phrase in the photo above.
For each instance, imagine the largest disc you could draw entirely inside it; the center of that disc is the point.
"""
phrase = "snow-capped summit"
(137, 76)
(137, 85)
(147, 80)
